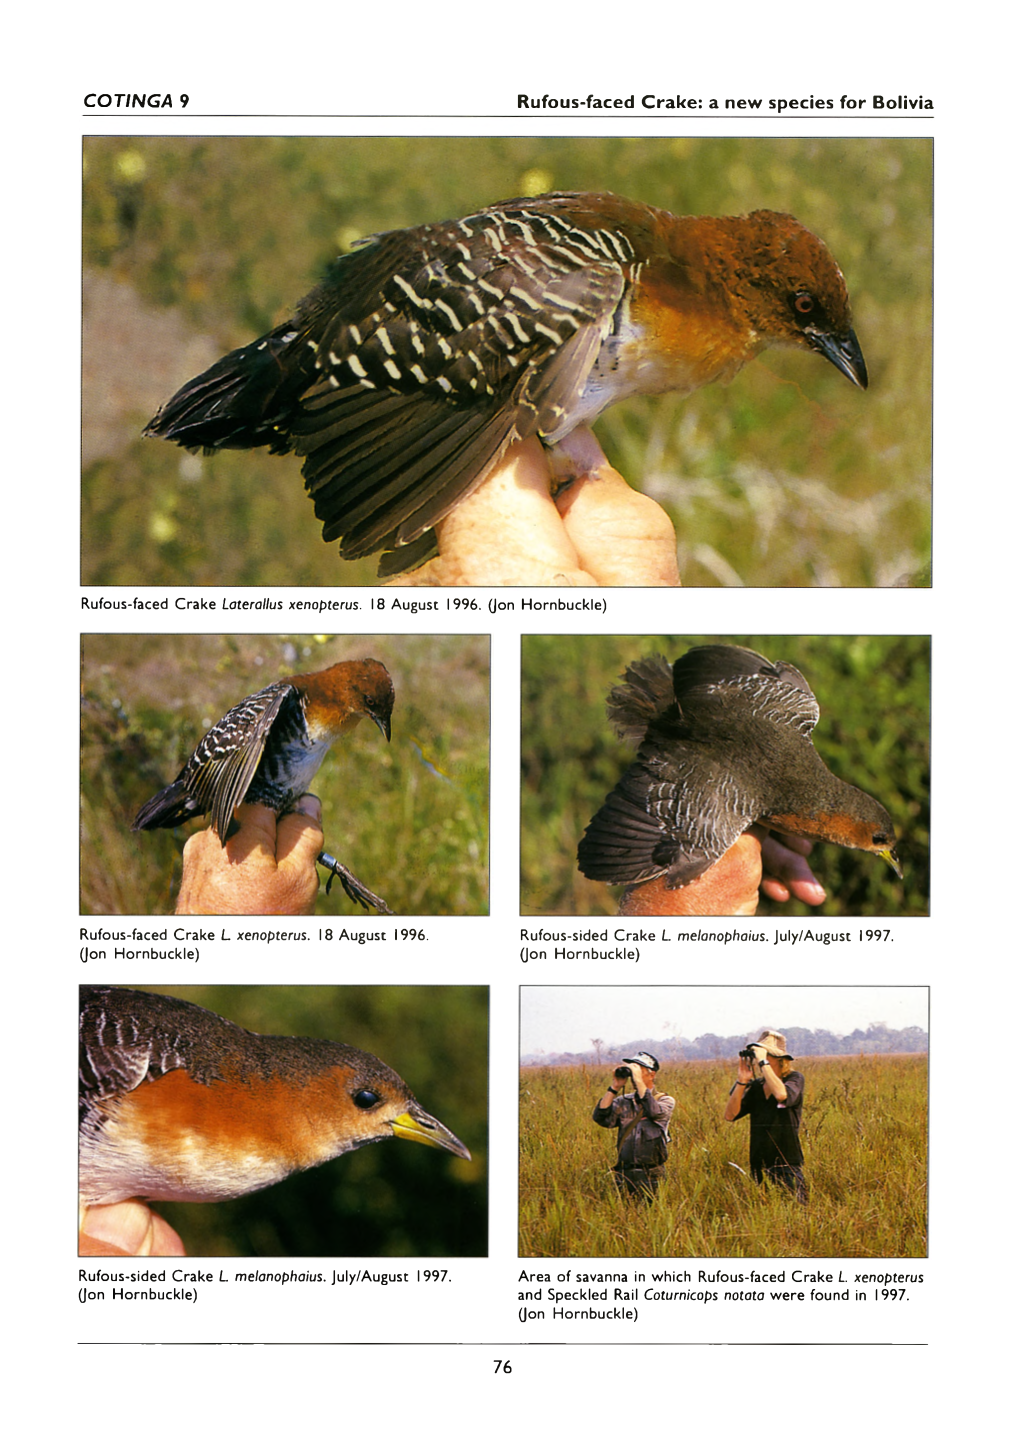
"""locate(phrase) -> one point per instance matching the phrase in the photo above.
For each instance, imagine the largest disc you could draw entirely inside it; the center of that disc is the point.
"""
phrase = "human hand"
(785, 870)
(620, 1077)
(759, 1053)
(126, 1229)
(745, 1075)
(266, 868)
(730, 887)
(511, 531)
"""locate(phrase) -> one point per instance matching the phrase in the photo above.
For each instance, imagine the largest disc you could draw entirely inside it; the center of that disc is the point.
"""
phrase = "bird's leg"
(359, 893)
(574, 457)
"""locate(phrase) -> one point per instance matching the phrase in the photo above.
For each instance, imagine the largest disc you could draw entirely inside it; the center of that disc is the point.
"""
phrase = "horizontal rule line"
(610, 114)
(601, 1344)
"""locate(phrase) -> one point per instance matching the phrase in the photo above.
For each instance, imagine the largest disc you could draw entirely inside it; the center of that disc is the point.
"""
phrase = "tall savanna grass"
(864, 1133)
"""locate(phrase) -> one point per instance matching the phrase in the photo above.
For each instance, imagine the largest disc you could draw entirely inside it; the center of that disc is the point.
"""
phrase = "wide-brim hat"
(643, 1058)
(775, 1043)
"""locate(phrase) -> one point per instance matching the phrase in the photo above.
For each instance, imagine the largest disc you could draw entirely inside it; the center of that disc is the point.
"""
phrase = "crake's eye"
(366, 1098)
(804, 303)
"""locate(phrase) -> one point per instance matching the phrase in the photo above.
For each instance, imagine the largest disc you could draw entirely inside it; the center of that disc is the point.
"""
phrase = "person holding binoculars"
(641, 1119)
(771, 1093)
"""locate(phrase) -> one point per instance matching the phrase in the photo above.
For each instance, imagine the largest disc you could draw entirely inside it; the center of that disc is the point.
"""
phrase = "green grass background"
(874, 730)
(392, 1199)
(410, 818)
(789, 476)
(864, 1134)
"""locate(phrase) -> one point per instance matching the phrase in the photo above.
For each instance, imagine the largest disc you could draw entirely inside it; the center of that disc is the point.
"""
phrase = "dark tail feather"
(409, 555)
(172, 806)
(645, 693)
(246, 399)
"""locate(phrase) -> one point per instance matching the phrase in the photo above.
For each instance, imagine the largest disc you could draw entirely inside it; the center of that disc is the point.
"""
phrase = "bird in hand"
(177, 1104)
(724, 743)
(425, 354)
(268, 748)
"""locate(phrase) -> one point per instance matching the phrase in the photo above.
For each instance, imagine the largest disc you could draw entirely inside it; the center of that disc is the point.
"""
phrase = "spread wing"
(423, 356)
(431, 371)
(706, 679)
(662, 820)
(686, 800)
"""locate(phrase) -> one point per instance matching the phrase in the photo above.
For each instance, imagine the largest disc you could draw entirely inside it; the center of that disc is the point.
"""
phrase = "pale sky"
(568, 1018)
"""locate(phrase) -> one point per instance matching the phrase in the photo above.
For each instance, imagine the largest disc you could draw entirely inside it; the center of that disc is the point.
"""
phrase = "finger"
(620, 536)
(786, 871)
(309, 805)
(298, 844)
(202, 863)
(127, 1229)
(508, 531)
(256, 831)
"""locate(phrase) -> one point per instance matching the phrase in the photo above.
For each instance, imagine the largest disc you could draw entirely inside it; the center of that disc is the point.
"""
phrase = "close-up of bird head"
(179, 1104)
(795, 294)
(335, 699)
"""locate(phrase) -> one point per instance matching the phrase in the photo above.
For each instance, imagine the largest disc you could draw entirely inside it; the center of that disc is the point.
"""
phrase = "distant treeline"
(878, 1039)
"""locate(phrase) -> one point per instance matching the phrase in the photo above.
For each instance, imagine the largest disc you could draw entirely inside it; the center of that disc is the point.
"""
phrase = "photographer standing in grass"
(641, 1118)
(771, 1093)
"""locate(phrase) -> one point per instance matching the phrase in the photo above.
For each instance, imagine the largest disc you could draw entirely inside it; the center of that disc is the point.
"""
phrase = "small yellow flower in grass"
(162, 529)
(130, 166)
(535, 181)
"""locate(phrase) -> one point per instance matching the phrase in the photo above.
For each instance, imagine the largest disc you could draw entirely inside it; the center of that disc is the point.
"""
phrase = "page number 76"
(502, 1365)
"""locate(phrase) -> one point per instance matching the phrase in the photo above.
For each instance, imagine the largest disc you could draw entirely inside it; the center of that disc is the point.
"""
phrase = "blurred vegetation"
(789, 476)
(394, 1198)
(865, 1137)
(874, 731)
(409, 818)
